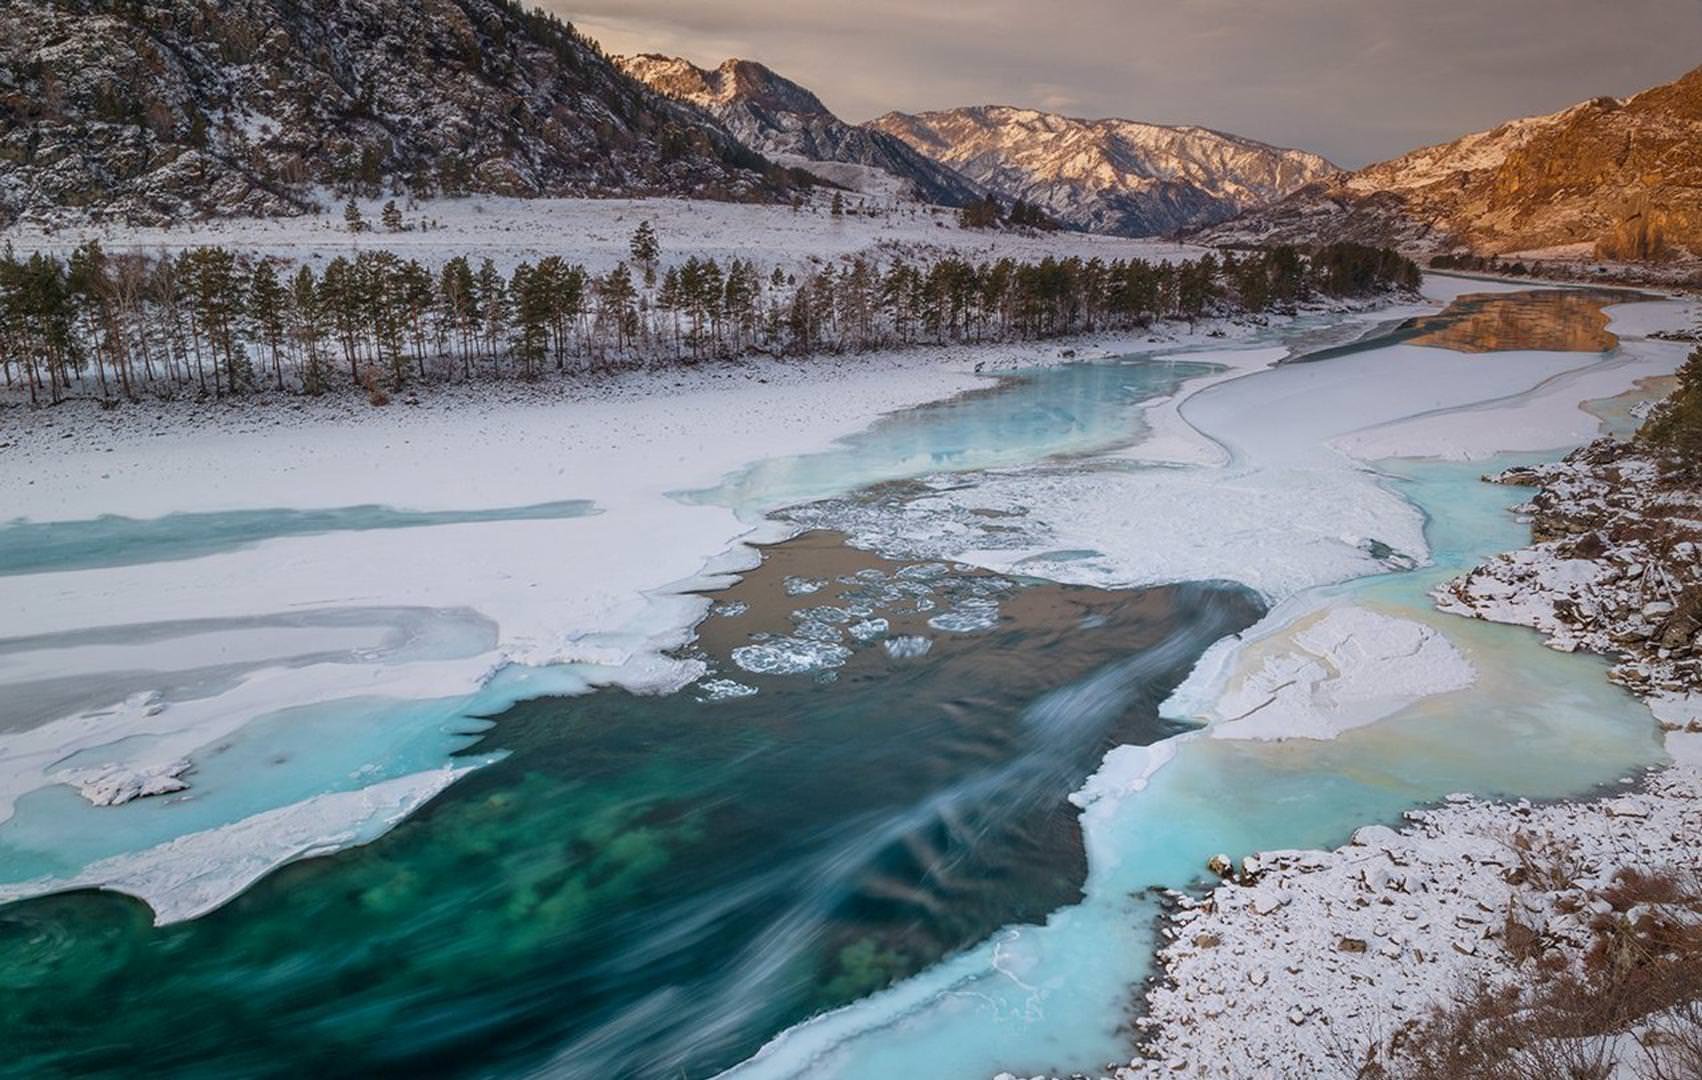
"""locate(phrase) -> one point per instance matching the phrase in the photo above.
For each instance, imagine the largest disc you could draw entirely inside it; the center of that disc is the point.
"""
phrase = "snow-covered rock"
(1117, 176)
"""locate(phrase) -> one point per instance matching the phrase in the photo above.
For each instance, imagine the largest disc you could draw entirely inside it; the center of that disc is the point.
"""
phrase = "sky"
(1355, 80)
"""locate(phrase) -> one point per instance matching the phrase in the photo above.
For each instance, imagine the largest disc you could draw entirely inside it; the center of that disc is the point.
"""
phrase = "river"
(850, 848)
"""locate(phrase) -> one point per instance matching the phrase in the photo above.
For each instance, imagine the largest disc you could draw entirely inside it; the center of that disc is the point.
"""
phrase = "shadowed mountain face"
(163, 109)
(1614, 178)
(1114, 176)
(780, 119)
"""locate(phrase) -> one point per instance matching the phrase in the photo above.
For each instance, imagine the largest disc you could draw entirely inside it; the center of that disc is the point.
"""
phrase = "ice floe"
(1341, 669)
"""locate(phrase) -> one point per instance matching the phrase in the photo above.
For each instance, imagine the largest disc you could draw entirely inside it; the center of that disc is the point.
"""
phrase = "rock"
(1220, 865)
(1626, 806)
(1376, 836)
(1351, 945)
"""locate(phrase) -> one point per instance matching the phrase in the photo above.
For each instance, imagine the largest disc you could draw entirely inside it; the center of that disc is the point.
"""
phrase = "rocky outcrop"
(158, 110)
(780, 119)
(1114, 176)
(1619, 179)
(1616, 570)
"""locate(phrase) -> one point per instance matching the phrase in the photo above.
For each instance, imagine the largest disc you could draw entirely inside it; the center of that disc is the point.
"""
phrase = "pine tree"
(352, 216)
(308, 329)
(646, 249)
(266, 313)
(838, 205)
(492, 294)
(391, 216)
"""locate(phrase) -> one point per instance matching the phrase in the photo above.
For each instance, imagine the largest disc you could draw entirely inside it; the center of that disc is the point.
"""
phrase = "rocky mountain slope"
(154, 110)
(1619, 178)
(780, 119)
(1115, 176)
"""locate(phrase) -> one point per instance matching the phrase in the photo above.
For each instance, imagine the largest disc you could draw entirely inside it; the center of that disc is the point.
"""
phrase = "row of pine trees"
(209, 323)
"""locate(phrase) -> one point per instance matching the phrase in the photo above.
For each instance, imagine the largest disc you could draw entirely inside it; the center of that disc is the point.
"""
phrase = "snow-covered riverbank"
(1315, 960)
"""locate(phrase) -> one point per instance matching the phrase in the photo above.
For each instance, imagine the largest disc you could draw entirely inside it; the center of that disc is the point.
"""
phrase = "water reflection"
(1542, 320)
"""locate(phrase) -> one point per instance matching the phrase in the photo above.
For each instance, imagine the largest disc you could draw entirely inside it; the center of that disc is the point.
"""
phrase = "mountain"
(1622, 177)
(780, 119)
(155, 110)
(1115, 176)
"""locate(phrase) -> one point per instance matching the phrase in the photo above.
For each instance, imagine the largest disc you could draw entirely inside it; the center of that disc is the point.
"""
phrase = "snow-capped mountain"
(1622, 178)
(155, 110)
(1115, 176)
(781, 120)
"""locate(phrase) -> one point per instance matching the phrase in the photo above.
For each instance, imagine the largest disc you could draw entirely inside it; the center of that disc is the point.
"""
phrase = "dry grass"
(1631, 997)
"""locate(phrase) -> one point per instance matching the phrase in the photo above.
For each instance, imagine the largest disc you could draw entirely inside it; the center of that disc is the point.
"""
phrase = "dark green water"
(644, 886)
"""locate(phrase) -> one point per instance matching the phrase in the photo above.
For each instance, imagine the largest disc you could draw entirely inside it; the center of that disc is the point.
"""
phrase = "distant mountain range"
(160, 110)
(1114, 176)
(781, 120)
(1617, 178)
(150, 111)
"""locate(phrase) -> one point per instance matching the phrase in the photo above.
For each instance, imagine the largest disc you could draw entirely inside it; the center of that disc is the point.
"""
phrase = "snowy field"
(597, 233)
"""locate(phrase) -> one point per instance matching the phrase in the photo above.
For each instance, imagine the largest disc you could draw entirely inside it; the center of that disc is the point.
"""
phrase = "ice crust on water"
(869, 629)
(790, 656)
(907, 647)
(730, 608)
(115, 784)
(818, 631)
(803, 586)
(724, 690)
(968, 615)
(825, 613)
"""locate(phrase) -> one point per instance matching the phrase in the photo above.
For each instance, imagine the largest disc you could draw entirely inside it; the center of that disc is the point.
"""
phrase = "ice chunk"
(803, 586)
(825, 613)
(908, 647)
(112, 785)
(869, 629)
(817, 631)
(724, 690)
(970, 614)
(924, 571)
(790, 656)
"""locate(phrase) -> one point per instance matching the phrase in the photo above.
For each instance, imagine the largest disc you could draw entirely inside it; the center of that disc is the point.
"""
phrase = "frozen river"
(890, 801)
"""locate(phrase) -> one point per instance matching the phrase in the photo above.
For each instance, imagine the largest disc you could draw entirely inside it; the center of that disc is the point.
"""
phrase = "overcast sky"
(1355, 80)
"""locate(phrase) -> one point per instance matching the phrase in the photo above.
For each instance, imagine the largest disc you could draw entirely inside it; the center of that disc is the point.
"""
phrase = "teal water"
(656, 886)
(1055, 998)
(642, 886)
(1032, 413)
(30, 547)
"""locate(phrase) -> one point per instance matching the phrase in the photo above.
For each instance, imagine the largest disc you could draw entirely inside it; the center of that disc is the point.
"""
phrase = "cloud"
(1357, 80)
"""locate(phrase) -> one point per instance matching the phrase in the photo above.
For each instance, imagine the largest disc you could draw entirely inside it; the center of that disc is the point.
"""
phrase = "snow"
(196, 873)
(1341, 669)
(598, 233)
(411, 630)
(113, 785)
(1333, 952)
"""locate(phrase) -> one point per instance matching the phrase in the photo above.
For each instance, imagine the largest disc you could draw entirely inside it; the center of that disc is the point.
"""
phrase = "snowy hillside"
(166, 109)
(1116, 176)
(1617, 178)
(781, 120)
